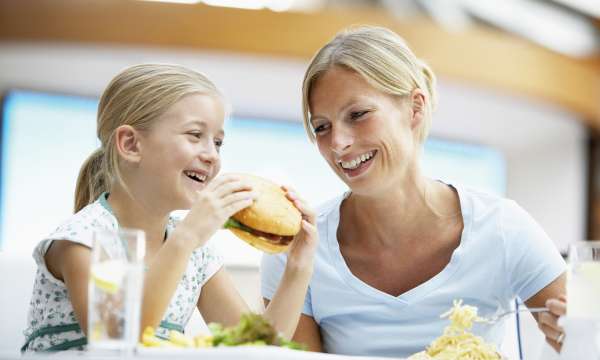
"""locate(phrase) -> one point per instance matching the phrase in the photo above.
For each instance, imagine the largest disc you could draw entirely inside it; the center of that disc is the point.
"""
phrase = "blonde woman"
(161, 129)
(398, 248)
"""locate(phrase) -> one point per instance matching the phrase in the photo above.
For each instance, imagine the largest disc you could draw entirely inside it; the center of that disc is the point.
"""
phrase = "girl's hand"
(302, 249)
(548, 322)
(219, 200)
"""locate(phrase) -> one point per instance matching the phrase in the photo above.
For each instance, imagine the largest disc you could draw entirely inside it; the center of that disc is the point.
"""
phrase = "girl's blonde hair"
(381, 57)
(137, 96)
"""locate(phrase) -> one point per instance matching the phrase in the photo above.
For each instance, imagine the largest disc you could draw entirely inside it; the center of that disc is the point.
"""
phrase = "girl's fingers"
(238, 196)
(220, 180)
(236, 206)
(230, 187)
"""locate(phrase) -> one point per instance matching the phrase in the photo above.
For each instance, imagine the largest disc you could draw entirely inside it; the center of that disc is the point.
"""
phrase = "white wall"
(544, 145)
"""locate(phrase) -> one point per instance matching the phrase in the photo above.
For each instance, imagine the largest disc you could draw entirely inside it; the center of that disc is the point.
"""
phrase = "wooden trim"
(479, 55)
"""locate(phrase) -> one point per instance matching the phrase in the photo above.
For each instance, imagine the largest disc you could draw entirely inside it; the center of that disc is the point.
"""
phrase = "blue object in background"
(46, 137)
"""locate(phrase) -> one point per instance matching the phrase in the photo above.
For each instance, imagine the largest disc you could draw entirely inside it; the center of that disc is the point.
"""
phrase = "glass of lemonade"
(583, 280)
(115, 289)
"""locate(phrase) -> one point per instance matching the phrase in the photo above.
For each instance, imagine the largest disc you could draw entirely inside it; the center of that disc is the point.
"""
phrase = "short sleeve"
(532, 259)
(211, 261)
(271, 271)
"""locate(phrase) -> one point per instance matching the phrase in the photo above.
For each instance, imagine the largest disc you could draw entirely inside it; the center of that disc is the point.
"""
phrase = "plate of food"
(457, 342)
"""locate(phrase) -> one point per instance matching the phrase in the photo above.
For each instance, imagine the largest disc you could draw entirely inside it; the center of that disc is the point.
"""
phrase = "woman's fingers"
(557, 307)
(550, 320)
(307, 212)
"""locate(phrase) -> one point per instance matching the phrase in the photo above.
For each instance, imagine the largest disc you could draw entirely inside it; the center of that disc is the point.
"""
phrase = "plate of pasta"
(456, 341)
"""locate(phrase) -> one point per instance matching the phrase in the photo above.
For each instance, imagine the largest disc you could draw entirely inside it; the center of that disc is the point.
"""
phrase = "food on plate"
(457, 343)
(253, 329)
(271, 222)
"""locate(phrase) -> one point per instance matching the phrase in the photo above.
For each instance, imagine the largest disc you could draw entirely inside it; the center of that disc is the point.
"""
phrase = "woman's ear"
(417, 97)
(127, 141)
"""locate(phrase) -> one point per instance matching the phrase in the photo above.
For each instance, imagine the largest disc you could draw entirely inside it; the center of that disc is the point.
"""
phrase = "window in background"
(46, 138)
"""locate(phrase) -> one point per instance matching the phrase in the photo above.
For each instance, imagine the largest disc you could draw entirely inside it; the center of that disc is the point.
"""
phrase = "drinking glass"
(115, 289)
(583, 280)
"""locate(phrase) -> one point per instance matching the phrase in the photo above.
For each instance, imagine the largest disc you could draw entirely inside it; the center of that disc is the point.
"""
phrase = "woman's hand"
(302, 249)
(219, 200)
(548, 322)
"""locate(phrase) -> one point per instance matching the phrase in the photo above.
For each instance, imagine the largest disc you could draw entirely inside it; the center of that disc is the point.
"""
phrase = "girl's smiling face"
(180, 153)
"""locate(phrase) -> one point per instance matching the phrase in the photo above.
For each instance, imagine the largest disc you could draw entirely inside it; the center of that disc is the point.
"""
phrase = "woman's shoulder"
(483, 202)
(330, 206)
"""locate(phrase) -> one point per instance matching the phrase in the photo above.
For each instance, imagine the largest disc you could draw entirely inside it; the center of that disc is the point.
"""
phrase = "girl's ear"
(127, 141)
(417, 97)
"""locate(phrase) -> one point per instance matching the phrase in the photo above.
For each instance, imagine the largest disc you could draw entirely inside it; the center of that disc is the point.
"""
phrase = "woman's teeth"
(353, 164)
(195, 176)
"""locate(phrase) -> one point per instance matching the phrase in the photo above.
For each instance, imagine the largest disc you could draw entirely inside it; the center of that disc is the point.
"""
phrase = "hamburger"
(271, 222)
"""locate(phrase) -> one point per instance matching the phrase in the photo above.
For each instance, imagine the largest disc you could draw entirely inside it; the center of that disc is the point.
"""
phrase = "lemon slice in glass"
(108, 275)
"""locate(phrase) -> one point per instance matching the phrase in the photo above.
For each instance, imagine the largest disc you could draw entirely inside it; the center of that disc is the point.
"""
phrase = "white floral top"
(52, 324)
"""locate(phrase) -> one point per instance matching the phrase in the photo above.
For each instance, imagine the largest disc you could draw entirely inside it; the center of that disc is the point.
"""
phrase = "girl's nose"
(210, 154)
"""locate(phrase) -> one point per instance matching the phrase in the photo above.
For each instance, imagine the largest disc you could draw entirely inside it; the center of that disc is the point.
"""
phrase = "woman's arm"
(307, 332)
(219, 300)
(553, 297)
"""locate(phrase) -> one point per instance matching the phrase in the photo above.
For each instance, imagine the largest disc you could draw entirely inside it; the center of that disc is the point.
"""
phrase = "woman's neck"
(406, 212)
(131, 213)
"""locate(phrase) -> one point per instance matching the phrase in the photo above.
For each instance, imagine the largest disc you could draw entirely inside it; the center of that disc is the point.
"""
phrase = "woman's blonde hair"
(137, 96)
(381, 57)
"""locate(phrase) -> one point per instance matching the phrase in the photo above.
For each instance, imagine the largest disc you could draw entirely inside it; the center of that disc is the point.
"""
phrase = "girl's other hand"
(219, 200)
(548, 322)
(302, 249)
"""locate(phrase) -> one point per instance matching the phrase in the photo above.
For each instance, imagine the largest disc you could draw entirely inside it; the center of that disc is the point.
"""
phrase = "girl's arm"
(70, 262)
(222, 198)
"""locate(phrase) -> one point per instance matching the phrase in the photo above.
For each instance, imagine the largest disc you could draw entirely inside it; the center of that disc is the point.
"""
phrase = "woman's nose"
(341, 139)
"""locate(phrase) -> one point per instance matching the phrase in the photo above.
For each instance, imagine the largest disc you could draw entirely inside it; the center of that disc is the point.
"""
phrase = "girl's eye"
(196, 134)
(355, 115)
(218, 143)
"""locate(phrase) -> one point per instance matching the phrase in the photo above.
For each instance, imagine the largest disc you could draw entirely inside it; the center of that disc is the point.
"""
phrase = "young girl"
(161, 129)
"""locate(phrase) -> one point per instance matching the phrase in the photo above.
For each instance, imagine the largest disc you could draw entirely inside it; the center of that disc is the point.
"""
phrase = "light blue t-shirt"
(503, 254)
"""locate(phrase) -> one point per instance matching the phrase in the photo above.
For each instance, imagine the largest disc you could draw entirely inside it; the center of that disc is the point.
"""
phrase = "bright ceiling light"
(275, 5)
(178, 1)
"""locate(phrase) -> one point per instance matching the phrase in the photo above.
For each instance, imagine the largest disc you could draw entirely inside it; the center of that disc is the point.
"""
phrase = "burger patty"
(275, 239)
(272, 238)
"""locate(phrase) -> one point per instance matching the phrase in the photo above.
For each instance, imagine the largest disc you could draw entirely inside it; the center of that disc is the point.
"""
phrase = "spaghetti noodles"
(457, 343)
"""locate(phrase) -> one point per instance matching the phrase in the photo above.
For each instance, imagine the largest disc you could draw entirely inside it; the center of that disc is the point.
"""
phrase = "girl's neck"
(131, 213)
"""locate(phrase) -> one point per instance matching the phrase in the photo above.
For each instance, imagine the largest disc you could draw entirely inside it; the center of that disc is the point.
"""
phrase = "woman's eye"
(320, 129)
(355, 115)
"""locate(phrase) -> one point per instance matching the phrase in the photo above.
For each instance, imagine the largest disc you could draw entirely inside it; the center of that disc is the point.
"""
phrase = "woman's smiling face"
(365, 135)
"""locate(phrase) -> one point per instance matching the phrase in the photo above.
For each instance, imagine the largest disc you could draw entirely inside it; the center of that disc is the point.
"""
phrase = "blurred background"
(518, 114)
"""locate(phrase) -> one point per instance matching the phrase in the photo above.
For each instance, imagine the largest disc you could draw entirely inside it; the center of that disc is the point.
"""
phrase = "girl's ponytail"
(91, 181)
